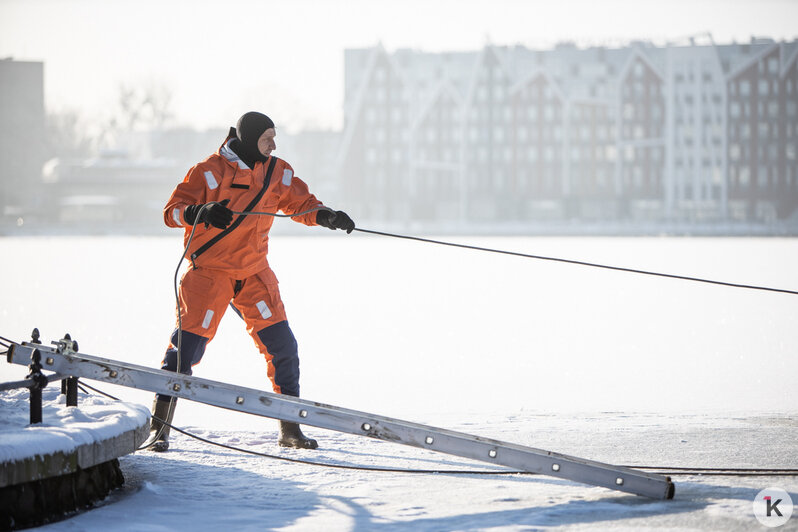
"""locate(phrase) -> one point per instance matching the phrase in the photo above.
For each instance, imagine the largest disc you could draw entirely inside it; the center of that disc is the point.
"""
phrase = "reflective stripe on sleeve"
(211, 180)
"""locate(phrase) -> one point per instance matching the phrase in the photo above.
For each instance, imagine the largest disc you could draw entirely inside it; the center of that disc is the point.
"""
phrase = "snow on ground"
(202, 487)
(597, 364)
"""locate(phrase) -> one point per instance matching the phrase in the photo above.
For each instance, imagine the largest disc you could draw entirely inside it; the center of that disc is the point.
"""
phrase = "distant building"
(109, 192)
(312, 154)
(22, 139)
(689, 132)
(126, 189)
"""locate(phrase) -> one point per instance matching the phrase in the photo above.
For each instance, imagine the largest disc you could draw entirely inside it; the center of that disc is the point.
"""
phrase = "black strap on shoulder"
(237, 222)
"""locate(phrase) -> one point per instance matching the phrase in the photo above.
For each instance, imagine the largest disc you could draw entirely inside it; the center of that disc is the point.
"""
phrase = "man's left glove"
(335, 220)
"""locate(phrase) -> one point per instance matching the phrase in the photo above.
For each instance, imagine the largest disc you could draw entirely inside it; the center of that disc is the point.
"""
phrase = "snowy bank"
(68, 439)
(95, 431)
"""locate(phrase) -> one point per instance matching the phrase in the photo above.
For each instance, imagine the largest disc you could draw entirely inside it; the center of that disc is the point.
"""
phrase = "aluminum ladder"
(65, 360)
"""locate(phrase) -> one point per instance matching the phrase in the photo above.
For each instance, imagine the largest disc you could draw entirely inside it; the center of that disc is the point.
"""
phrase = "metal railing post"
(39, 382)
(71, 391)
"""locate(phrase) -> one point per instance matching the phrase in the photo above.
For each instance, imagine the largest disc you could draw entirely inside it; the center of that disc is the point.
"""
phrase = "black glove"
(335, 220)
(215, 214)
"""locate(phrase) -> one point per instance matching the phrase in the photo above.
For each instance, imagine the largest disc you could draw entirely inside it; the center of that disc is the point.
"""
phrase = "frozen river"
(406, 327)
(605, 365)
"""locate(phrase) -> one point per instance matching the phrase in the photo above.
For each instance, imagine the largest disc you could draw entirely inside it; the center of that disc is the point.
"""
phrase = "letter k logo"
(772, 506)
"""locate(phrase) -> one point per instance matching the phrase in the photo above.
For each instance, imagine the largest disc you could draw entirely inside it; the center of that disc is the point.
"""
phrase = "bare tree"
(145, 107)
(67, 135)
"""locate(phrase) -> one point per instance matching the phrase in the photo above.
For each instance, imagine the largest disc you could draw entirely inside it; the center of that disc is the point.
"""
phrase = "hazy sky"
(222, 58)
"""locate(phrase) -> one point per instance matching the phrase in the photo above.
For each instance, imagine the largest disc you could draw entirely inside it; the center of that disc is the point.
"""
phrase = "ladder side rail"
(324, 416)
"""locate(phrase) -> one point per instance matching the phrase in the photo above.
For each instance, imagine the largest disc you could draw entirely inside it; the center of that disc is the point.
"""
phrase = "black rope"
(5, 342)
(98, 391)
(579, 262)
(662, 470)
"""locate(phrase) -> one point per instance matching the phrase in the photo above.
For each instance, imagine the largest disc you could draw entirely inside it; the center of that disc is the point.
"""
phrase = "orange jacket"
(240, 250)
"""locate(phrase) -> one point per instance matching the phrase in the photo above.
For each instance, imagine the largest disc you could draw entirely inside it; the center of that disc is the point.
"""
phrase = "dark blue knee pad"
(192, 347)
(281, 344)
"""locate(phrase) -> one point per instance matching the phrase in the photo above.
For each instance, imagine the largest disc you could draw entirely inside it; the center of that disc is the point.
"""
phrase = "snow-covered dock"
(67, 461)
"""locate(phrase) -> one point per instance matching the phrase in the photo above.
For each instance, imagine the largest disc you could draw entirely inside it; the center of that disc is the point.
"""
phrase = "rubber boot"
(291, 436)
(159, 433)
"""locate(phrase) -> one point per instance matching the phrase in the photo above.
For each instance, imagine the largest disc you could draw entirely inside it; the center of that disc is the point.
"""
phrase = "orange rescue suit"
(229, 267)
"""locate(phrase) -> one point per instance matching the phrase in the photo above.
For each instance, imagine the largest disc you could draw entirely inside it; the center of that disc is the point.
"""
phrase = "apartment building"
(690, 131)
(22, 138)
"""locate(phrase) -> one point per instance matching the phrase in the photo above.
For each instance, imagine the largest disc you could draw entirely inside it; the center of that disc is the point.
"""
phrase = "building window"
(744, 176)
(762, 176)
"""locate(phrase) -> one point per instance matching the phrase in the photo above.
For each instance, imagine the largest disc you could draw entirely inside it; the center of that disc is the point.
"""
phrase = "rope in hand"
(438, 242)
(578, 262)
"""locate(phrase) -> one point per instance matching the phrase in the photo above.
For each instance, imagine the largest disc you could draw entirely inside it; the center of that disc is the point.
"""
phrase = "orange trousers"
(204, 297)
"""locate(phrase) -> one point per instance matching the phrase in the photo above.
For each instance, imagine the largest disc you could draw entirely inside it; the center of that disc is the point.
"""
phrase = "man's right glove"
(215, 214)
(335, 220)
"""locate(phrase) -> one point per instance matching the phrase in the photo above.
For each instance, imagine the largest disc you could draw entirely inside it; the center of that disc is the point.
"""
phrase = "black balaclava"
(249, 129)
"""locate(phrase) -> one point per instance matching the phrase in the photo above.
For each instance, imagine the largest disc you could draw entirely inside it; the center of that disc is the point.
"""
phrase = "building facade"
(22, 136)
(688, 132)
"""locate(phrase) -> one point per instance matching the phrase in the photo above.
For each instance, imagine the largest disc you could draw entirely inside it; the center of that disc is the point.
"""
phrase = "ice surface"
(598, 364)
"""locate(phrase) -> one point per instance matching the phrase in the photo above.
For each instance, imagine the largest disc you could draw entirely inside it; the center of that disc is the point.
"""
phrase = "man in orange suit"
(228, 264)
